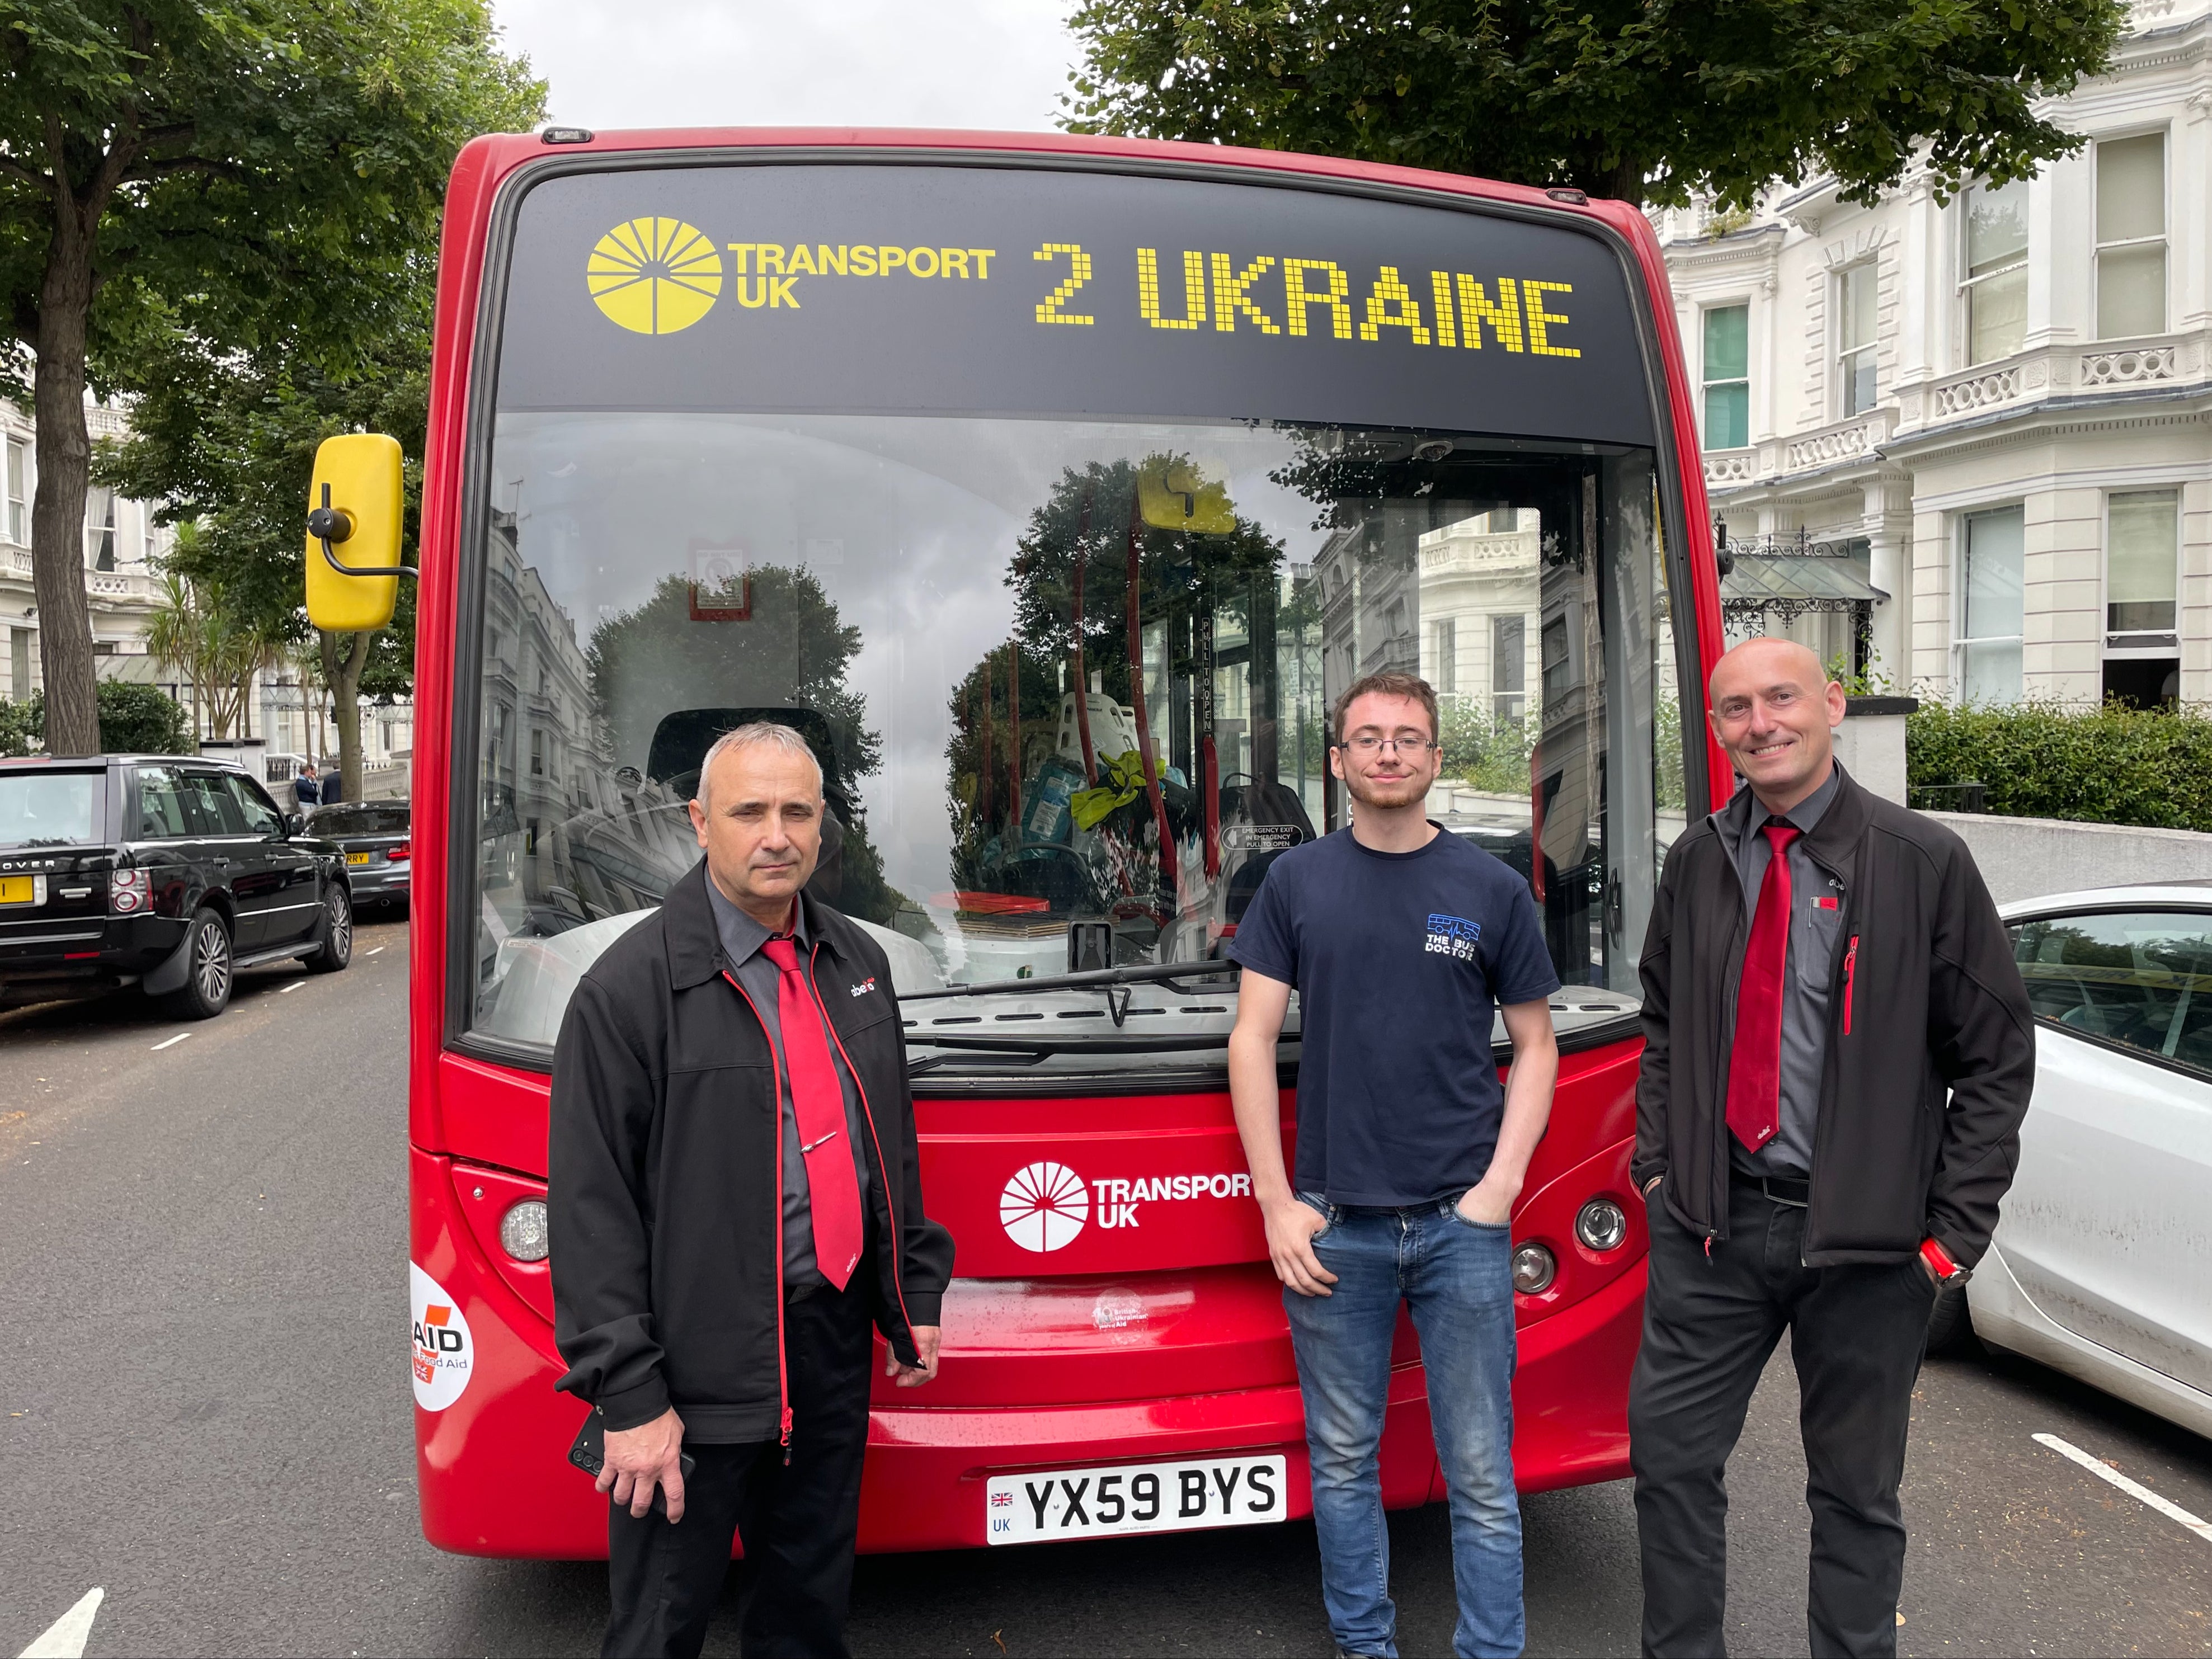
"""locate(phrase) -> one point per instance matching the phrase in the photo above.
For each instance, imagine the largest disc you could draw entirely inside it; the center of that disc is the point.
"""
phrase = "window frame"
(1706, 383)
(2163, 240)
(2097, 1040)
(17, 484)
(1961, 641)
(1842, 356)
(173, 776)
(2125, 643)
(1969, 279)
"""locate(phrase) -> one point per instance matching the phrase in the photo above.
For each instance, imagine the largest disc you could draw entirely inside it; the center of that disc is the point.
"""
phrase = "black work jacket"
(664, 1176)
(1931, 1052)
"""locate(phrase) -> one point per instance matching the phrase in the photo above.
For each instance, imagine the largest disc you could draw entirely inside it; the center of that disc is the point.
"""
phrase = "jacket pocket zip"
(782, 1364)
(1850, 971)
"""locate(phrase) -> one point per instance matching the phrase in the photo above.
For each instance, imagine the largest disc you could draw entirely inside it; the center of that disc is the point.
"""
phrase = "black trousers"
(1856, 1334)
(797, 1520)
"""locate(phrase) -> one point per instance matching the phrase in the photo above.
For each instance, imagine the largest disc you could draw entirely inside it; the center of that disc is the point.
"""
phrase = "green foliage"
(1487, 754)
(2108, 765)
(226, 205)
(134, 720)
(244, 171)
(1620, 98)
(139, 720)
(22, 724)
(1860, 682)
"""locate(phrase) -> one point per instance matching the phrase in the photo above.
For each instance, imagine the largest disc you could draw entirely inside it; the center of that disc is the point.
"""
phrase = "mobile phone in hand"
(588, 1452)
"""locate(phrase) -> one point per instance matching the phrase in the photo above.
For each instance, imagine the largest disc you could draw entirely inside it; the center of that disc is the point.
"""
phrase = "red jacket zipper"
(783, 1363)
(868, 1114)
(1851, 969)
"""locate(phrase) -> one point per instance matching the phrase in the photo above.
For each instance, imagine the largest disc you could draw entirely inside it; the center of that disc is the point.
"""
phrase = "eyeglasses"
(1366, 744)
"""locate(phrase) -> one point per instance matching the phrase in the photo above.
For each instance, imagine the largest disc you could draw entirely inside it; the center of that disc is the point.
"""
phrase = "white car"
(2102, 1263)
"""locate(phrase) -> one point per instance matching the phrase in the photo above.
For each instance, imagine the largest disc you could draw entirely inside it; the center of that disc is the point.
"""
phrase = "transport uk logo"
(444, 1354)
(1452, 936)
(656, 276)
(1044, 1207)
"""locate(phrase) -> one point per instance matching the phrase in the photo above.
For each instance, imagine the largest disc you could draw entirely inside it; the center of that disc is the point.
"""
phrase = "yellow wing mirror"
(354, 505)
(1176, 495)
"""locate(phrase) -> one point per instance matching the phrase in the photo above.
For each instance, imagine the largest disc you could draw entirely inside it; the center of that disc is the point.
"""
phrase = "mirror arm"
(327, 525)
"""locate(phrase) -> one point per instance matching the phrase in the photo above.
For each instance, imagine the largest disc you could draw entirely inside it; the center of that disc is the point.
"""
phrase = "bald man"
(1838, 1055)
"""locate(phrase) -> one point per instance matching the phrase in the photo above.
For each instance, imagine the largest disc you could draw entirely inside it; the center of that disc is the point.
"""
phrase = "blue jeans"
(1457, 1279)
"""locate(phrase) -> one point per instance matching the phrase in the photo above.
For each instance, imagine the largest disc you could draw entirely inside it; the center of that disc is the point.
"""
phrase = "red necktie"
(818, 1100)
(1754, 1091)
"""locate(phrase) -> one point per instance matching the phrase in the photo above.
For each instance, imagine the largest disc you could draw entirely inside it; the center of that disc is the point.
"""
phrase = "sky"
(977, 64)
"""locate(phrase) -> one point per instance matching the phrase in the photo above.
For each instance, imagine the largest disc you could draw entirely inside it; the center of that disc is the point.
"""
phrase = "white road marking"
(377, 952)
(66, 1637)
(2142, 1494)
(171, 1042)
(293, 987)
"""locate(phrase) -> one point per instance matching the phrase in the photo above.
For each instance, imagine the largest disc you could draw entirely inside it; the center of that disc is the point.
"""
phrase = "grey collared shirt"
(742, 938)
(1812, 935)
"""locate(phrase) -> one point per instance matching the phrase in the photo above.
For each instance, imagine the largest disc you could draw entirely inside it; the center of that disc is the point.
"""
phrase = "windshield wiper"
(1110, 981)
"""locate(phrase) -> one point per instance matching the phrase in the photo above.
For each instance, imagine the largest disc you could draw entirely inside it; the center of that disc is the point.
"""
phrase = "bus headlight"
(523, 1232)
(1534, 1270)
(1601, 1225)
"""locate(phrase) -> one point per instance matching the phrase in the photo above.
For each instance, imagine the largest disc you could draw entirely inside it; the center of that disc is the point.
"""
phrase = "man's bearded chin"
(1385, 792)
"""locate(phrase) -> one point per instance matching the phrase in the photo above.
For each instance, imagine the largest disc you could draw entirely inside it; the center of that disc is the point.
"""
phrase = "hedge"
(2040, 760)
(134, 720)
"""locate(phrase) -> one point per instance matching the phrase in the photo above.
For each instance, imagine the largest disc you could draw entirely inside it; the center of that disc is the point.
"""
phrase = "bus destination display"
(1019, 290)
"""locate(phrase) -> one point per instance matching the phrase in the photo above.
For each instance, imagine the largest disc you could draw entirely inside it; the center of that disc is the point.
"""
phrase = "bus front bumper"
(494, 1477)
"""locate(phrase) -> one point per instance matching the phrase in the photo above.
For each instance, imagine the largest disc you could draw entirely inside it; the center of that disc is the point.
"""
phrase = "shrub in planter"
(2042, 760)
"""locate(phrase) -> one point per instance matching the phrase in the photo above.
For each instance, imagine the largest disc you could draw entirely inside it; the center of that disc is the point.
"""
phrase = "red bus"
(1053, 487)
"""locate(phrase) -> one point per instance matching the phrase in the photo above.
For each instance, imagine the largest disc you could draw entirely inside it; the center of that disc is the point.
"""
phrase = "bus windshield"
(1068, 674)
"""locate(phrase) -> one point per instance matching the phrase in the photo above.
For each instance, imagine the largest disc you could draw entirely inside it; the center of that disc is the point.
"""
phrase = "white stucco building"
(1995, 410)
(121, 543)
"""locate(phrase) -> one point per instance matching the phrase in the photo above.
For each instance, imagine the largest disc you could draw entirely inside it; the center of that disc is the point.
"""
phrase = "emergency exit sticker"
(443, 1352)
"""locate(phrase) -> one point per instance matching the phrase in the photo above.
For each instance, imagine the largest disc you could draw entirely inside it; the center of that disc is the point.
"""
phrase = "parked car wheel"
(337, 933)
(209, 970)
(1950, 1328)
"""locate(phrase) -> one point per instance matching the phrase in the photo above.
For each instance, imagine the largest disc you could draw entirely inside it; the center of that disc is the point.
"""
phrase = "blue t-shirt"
(1400, 960)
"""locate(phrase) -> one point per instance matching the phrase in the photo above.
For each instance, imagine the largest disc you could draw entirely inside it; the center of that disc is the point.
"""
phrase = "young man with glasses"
(1402, 941)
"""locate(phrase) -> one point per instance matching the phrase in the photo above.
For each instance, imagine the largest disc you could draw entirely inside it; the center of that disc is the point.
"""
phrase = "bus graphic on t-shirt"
(1452, 936)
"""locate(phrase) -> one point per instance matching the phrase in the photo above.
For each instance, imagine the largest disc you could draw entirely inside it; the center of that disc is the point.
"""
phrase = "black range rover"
(164, 871)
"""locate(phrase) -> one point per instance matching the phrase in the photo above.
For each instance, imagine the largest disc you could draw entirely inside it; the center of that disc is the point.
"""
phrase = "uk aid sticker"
(443, 1352)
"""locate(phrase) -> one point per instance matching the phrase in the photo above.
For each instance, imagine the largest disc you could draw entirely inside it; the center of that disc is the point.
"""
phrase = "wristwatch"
(1939, 1263)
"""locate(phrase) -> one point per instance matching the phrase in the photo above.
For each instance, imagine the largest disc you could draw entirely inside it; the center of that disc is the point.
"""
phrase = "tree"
(227, 440)
(1644, 101)
(234, 171)
(194, 626)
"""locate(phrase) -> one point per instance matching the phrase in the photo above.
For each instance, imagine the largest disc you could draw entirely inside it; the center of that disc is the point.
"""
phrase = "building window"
(1995, 285)
(149, 536)
(1991, 588)
(1854, 328)
(99, 528)
(537, 753)
(2132, 237)
(1444, 657)
(1509, 665)
(1559, 672)
(2141, 566)
(19, 492)
(1727, 377)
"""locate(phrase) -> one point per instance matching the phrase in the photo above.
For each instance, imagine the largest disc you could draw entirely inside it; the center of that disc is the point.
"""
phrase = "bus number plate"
(1094, 1502)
